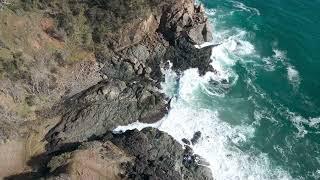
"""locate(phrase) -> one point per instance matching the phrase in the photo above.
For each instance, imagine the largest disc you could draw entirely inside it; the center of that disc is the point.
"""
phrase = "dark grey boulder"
(159, 156)
(102, 108)
(196, 137)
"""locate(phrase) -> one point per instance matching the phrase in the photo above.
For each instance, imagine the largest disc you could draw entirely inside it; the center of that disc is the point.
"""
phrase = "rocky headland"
(72, 71)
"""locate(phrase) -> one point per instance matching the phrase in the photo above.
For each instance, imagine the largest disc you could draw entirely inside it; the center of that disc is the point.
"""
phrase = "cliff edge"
(71, 71)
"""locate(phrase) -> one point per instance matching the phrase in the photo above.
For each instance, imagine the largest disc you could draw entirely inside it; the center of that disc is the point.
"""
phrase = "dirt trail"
(15, 154)
(12, 158)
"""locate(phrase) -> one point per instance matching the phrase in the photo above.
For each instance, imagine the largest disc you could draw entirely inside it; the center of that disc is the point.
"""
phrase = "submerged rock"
(196, 137)
(186, 141)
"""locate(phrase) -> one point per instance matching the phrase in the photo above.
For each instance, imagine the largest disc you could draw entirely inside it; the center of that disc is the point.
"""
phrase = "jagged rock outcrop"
(158, 156)
(104, 107)
(131, 67)
(146, 154)
(85, 67)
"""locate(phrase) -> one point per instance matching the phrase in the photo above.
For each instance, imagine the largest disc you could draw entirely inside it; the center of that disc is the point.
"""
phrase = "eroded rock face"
(185, 20)
(185, 55)
(146, 154)
(131, 68)
(158, 156)
(95, 65)
(104, 107)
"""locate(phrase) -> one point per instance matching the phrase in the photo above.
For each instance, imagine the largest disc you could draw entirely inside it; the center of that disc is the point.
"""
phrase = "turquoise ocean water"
(260, 115)
(276, 56)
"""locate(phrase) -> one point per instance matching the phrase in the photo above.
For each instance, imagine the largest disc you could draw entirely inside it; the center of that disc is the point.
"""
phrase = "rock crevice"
(92, 66)
(132, 68)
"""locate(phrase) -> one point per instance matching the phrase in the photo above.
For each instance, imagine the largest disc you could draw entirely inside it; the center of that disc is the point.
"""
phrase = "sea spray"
(259, 113)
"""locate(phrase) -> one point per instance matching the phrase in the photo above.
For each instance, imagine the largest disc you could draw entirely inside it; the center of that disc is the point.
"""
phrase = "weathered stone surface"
(200, 33)
(185, 55)
(94, 160)
(197, 135)
(158, 156)
(146, 154)
(186, 20)
(104, 107)
(95, 65)
(133, 71)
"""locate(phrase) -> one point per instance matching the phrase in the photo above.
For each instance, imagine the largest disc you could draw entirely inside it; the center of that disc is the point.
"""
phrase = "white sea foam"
(269, 64)
(242, 6)
(279, 55)
(220, 143)
(301, 123)
(314, 122)
(171, 81)
(136, 125)
(211, 12)
(231, 48)
(220, 140)
(293, 76)
(316, 174)
(204, 45)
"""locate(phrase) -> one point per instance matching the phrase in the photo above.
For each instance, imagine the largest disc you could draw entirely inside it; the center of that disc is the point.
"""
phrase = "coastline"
(116, 85)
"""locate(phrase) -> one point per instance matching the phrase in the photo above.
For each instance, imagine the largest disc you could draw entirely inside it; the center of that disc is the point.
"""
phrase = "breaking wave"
(228, 117)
